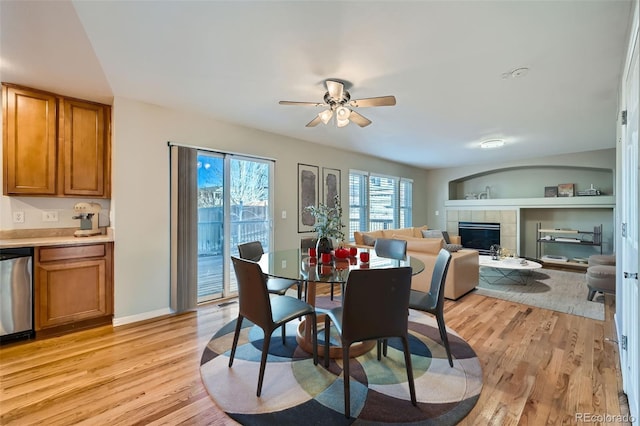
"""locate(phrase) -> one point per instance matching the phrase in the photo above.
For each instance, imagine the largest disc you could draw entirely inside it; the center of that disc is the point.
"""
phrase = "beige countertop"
(39, 238)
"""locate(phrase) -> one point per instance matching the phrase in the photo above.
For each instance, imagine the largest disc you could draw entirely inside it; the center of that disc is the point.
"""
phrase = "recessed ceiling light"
(492, 143)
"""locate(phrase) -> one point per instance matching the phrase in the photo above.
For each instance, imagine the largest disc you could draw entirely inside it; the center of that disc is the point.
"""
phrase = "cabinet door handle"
(631, 275)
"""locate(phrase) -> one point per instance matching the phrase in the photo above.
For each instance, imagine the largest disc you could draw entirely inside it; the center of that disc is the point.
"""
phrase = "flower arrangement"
(328, 220)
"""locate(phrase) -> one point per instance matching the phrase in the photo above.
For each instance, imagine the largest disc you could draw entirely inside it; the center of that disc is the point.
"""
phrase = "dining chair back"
(375, 306)
(308, 242)
(391, 248)
(265, 312)
(433, 301)
(253, 251)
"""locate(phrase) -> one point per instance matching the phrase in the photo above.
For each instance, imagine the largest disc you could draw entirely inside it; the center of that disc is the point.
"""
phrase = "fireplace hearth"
(479, 235)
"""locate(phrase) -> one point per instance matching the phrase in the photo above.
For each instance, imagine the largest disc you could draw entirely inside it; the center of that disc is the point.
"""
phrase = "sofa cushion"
(422, 245)
(417, 230)
(404, 232)
(358, 236)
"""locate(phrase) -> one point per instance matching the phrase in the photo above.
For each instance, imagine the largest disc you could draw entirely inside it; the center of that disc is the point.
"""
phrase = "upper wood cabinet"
(30, 142)
(55, 145)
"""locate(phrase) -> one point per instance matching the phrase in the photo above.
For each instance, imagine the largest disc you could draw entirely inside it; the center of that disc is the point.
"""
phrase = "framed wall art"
(565, 190)
(550, 191)
(307, 195)
(330, 186)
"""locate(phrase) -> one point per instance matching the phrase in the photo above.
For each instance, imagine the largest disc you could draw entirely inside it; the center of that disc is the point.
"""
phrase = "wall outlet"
(18, 217)
(49, 216)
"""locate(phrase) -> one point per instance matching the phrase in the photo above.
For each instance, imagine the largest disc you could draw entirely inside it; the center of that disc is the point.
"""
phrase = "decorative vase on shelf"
(324, 245)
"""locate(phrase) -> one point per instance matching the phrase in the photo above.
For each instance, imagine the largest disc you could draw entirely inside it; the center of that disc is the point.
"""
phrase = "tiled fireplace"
(508, 220)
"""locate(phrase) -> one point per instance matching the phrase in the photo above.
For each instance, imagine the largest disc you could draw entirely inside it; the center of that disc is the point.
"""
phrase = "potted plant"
(328, 224)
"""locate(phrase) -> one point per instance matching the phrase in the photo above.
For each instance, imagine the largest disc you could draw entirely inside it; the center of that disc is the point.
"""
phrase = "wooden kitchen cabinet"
(85, 152)
(55, 145)
(30, 142)
(73, 286)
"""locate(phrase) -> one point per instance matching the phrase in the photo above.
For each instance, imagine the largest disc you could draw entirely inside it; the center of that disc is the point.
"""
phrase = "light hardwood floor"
(539, 367)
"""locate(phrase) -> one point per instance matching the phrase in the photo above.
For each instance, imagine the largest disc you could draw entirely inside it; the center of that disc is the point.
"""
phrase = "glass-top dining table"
(296, 264)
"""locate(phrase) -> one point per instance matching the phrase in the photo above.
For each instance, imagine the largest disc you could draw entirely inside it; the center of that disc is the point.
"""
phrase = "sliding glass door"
(234, 206)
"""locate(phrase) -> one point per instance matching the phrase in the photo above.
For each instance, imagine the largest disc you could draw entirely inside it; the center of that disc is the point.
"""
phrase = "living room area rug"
(557, 290)
(297, 392)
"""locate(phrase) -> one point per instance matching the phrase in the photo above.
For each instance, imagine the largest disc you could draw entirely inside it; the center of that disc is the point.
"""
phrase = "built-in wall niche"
(529, 182)
(567, 218)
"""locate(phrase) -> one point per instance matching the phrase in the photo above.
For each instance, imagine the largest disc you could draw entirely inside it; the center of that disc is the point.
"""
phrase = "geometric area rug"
(557, 290)
(295, 392)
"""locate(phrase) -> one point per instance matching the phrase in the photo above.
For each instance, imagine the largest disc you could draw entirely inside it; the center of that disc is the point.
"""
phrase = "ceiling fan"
(338, 103)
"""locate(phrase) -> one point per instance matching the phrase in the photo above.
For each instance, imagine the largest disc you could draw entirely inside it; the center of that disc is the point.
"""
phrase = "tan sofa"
(464, 269)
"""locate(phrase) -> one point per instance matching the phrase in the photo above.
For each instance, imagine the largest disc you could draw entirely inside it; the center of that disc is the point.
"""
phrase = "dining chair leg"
(407, 361)
(443, 336)
(263, 359)
(300, 290)
(327, 336)
(331, 297)
(235, 339)
(314, 326)
(345, 373)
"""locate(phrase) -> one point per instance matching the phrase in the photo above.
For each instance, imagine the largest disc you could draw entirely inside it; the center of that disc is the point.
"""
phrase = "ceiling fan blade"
(335, 89)
(372, 102)
(314, 122)
(302, 103)
(359, 119)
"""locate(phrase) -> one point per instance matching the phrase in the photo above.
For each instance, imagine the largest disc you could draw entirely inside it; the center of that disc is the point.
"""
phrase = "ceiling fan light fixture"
(340, 122)
(343, 113)
(492, 143)
(326, 115)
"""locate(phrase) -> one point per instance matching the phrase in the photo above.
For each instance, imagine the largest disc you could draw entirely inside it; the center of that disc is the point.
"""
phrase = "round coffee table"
(514, 269)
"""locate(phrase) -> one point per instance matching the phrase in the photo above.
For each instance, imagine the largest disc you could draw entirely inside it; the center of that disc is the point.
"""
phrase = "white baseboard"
(141, 317)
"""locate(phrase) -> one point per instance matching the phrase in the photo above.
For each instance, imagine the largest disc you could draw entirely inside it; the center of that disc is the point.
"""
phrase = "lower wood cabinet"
(73, 286)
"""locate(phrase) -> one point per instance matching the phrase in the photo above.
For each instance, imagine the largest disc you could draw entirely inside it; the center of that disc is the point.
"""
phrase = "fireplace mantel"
(601, 201)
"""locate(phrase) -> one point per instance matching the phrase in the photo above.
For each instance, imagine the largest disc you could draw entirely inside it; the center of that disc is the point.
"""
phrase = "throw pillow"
(452, 247)
(368, 240)
(432, 233)
(445, 235)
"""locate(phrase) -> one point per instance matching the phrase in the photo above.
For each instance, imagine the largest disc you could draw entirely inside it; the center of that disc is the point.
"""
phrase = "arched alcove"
(529, 182)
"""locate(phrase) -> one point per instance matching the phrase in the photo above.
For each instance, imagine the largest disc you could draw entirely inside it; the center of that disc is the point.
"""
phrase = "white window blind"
(378, 202)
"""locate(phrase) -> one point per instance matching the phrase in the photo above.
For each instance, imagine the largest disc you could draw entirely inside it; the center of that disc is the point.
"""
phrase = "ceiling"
(448, 63)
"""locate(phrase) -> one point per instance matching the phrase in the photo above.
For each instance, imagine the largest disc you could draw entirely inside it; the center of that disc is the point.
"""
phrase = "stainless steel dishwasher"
(16, 294)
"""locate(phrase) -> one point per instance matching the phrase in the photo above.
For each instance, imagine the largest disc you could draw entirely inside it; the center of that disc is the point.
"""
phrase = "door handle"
(631, 275)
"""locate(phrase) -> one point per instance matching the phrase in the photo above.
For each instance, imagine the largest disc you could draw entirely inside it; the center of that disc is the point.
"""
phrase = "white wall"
(140, 197)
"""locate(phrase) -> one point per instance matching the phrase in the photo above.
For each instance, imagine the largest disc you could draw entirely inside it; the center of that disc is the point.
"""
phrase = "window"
(378, 202)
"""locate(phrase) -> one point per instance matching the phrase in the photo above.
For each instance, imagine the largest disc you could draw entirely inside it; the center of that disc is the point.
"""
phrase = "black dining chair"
(308, 242)
(391, 248)
(266, 312)
(374, 307)
(433, 301)
(253, 251)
